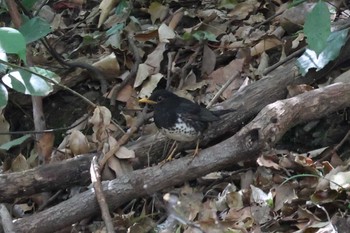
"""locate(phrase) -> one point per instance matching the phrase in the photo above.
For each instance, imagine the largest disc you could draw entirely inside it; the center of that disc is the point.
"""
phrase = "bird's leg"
(172, 152)
(196, 151)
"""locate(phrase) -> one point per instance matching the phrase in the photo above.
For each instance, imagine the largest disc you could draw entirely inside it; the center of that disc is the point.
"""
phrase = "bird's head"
(157, 97)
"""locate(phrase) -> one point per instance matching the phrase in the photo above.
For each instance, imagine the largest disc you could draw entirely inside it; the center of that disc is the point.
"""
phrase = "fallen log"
(45, 178)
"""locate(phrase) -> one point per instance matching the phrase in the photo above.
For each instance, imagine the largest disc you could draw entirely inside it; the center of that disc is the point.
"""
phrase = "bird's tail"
(219, 113)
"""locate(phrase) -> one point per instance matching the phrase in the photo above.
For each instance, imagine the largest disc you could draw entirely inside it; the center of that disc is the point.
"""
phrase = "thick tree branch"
(45, 178)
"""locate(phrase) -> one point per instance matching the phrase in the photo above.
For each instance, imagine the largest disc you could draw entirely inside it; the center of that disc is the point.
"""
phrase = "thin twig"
(132, 73)
(336, 148)
(267, 20)
(6, 220)
(289, 57)
(222, 89)
(187, 65)
(47, 130)
(50, 200)
(170, 64)
(101, 199)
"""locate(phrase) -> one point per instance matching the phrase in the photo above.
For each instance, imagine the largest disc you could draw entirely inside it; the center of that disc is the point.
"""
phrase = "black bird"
(180, 119)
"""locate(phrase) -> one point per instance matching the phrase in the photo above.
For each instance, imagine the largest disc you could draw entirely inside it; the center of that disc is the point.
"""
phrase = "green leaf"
(227, 4)
(122, 6)
(310, 59)
(28, 4)
(3, 67)
(35, 29)
(15, 142)
(12, 41)
(28, 83)
(297, 2)
(47, 73)
(114, 35)
(3, 95)
(204, 35)
(116, 29)
(317, 27)
(187, 36)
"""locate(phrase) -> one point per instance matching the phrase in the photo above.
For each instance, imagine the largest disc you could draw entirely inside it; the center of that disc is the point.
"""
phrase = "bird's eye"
(160, 98)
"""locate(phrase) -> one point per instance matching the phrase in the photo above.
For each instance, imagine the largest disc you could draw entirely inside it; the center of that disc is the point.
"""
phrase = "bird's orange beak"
(147, 101)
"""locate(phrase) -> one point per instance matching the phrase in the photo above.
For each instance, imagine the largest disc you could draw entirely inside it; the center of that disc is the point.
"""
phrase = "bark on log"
(45, 178)
(261, 133)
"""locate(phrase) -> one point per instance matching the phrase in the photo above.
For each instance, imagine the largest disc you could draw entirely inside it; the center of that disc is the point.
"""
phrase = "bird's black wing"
(196, 112)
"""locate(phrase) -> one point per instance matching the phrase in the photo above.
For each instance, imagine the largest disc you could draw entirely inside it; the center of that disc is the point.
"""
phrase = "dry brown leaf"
(61, 153)
(120, 167)
(125, 153)
(209, 61)
(19, 164)
(45, 145)
(100, 121)
(176, 18)
(190, 80)
(340, 181)
(78, 143)
(247, 179)
(297, 41)
(146, 35)
(220, 76)
(265, 162)
(259, 197)
(106, 6)
(143, 72)
(261, 214)
(239, 215)
(293, 18)
(155, 58)
(243, 33)
(108, 65)
(284, 194)
(294, 90)
(264, 63)
(122, 153)
(264, 45)
(243, 9)
(165, 33)
(58, 22)
(190, 202)
(205, 13)
(254, 19)
(150, 85)
(124, 94)
(116, 163)
(130, 118)
(151, 65)
(157, 11)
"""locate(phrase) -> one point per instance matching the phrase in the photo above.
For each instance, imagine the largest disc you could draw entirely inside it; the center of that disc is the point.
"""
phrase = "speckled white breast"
(180, 132)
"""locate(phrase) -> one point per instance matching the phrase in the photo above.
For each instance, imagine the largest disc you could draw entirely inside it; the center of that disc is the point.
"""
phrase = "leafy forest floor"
(277, 163)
